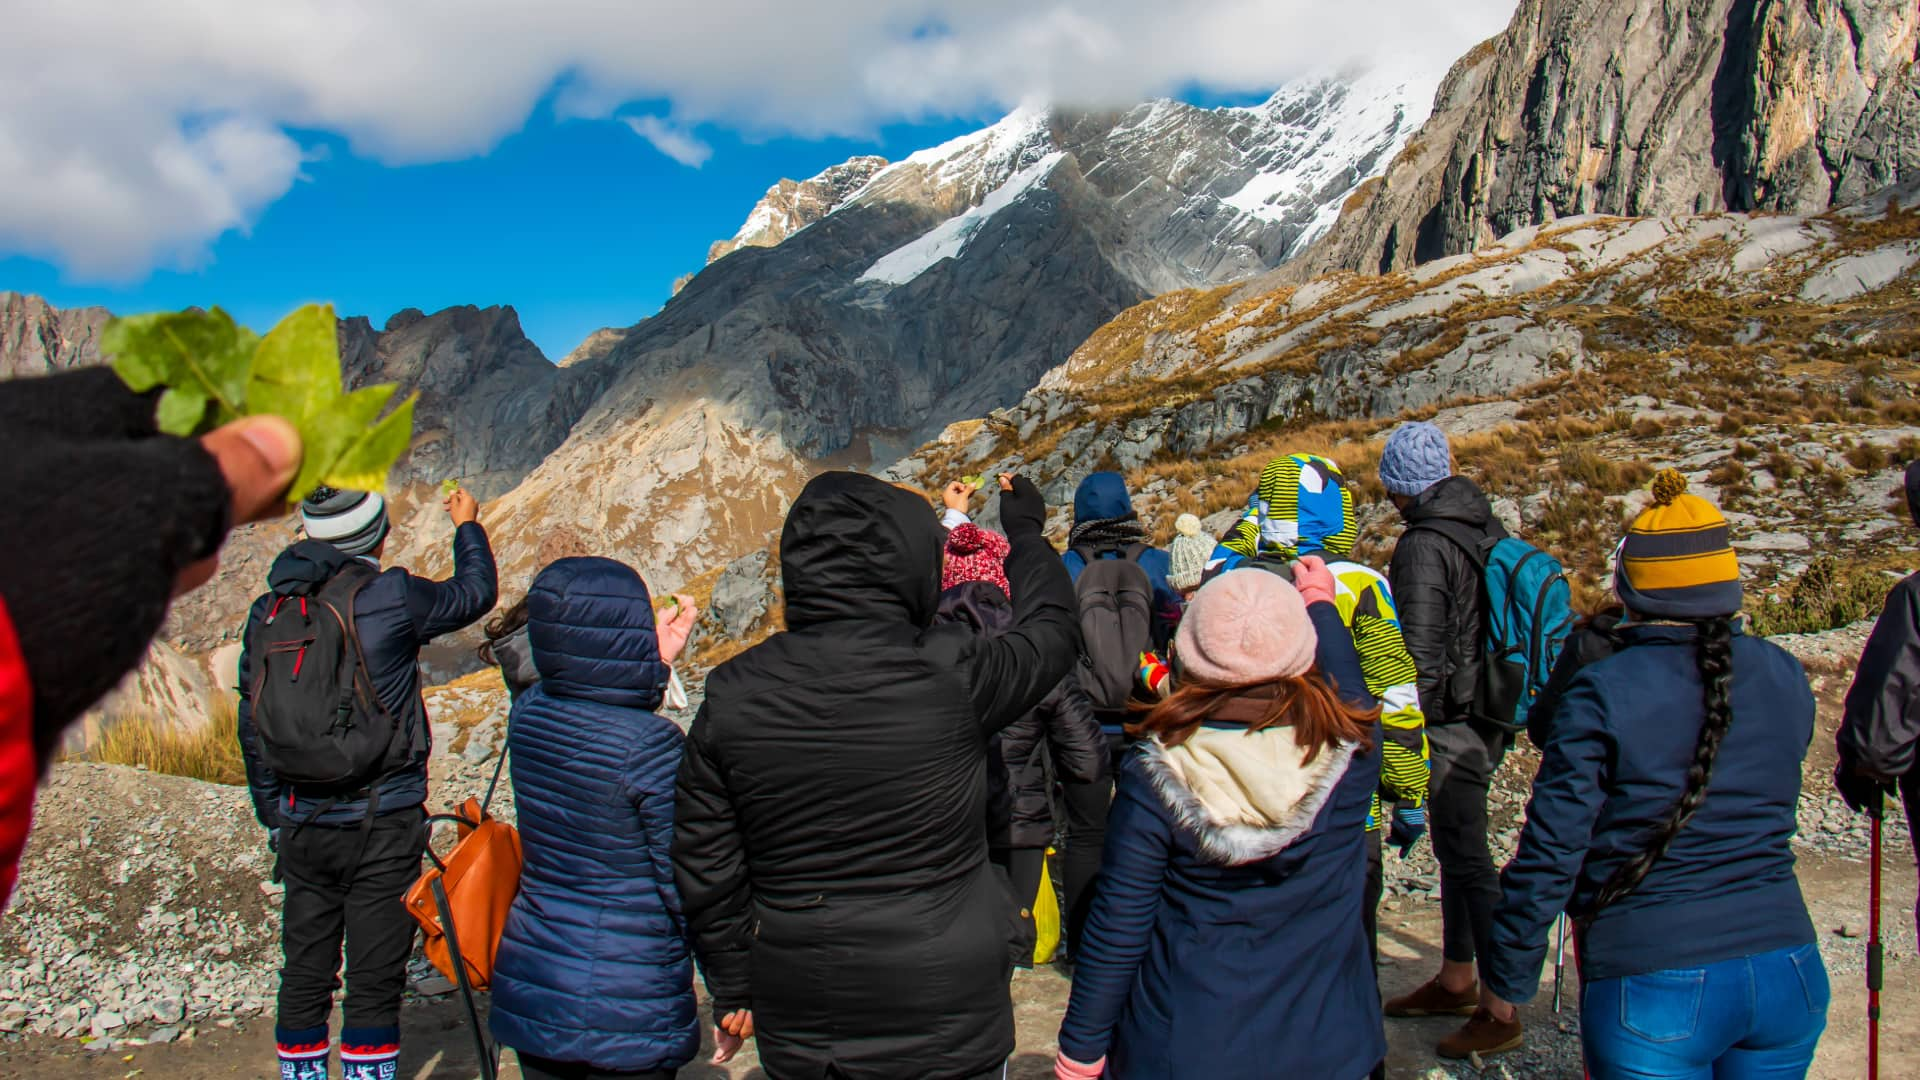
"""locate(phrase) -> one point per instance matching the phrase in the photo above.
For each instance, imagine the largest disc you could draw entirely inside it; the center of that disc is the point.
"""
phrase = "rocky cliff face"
(1646, 108)
(792, 205)
(491, 407)
(36, 338)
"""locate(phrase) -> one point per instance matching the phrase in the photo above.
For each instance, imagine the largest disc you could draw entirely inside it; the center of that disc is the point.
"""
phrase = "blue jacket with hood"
(1214, 946)
(1103, 496)
(594, 965)
(395, 614)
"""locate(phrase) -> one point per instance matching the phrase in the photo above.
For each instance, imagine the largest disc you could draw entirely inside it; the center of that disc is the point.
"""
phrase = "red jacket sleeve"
(19, 767)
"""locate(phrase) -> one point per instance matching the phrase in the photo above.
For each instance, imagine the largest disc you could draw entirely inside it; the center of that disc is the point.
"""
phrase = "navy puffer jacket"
(594, 965)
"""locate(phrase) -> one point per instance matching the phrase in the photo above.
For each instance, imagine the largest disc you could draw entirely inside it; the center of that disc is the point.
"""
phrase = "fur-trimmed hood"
(1244, 796)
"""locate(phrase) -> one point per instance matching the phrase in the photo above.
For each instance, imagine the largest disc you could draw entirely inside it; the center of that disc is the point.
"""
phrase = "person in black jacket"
(1060, 739)
(830, 835)
(348, 857)
(1881, 731)
(1436, 582)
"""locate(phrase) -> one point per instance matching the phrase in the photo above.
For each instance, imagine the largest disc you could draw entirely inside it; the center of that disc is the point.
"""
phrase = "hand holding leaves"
(216, 371)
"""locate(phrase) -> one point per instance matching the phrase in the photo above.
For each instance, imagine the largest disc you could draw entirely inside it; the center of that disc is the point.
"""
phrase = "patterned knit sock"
(370, 1053)
(303, 1053)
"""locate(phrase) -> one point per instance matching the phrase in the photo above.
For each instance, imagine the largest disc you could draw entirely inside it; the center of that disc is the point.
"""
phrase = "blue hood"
(591, 625)
(1101, 496)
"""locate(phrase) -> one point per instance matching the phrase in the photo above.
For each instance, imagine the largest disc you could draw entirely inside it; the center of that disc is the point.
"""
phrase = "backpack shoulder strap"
(1476, 545)
(1133, 553)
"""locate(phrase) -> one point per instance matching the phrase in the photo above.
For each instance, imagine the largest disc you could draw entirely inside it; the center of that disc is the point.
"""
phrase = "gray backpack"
(1116, 624)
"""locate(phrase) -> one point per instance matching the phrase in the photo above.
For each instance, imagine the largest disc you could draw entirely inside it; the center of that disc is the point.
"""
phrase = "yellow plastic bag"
(1046, 918)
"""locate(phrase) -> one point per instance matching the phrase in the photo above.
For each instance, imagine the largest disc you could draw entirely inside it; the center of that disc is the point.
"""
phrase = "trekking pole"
(489, 1060)
(1875, 956)
(1560, 961)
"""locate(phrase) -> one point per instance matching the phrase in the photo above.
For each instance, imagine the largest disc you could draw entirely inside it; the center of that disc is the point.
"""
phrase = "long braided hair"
(1713, 651)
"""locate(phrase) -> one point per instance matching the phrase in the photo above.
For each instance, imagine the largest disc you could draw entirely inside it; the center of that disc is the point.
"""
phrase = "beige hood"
(1246, 796)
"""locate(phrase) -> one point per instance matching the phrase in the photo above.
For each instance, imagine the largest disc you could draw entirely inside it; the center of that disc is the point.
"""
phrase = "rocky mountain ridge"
(1645, 108)
(37, 338)
(943, 286)
(792, 205)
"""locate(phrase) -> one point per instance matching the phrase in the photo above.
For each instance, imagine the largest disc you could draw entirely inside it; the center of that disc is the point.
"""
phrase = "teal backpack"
(1527, 616)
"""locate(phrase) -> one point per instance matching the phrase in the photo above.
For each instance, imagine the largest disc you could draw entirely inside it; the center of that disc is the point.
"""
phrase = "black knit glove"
(1863, 793)
(1023, 511)
(101, 516)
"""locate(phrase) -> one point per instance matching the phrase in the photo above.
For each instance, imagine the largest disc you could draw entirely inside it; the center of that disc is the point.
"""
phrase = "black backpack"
(320, 722)
(1116, 624)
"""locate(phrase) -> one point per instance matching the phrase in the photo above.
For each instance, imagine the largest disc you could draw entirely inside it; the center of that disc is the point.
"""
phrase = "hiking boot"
(1432, 999)
(1483, 1035)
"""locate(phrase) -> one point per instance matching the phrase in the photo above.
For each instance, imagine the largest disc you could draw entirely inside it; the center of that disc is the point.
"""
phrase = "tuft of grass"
(1829, 594)
(1868, 457)
(210, 752)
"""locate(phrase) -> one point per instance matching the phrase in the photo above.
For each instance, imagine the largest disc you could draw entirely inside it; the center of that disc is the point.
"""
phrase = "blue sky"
(577, 224)
(423, 153)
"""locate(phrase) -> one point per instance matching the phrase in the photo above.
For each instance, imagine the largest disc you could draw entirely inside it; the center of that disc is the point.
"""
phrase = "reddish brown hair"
(1305, 703)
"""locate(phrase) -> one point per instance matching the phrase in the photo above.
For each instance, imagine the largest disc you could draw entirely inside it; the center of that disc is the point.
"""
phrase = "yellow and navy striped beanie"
(1677, 561)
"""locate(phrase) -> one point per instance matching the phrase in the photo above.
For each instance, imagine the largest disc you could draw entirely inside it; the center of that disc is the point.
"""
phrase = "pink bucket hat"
(1245, 627)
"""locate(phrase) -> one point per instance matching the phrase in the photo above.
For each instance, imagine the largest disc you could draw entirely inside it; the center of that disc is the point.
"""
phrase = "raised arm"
(710, 870)
(441, 607)
(1011, 673)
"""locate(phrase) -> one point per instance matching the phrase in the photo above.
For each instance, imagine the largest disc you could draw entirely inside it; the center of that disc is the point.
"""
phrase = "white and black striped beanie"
(353, 521)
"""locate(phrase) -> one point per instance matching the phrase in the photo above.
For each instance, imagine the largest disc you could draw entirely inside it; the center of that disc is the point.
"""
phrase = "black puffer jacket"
(1436, 587)
(830, 837)
(1062, 732)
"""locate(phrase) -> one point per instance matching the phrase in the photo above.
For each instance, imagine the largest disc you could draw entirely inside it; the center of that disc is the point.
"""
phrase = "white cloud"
(677, 143)
(132, 135)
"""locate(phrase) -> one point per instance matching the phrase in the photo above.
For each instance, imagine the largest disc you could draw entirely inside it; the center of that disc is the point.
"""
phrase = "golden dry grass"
(210, 752)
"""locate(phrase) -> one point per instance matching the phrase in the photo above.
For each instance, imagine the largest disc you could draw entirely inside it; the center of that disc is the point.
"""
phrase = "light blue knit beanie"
(1416, 458)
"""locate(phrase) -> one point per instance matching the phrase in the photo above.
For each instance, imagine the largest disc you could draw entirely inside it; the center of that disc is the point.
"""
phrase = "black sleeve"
(1881, 727)
(710, 869)
(1073, 733)
(101, 516)
(1423, 594)
(1011, 673)
(262, 785)
(441, 607)
(1588, 645)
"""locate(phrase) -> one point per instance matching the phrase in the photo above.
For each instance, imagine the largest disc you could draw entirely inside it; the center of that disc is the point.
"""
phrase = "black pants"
(347, 883)
(1465, 758)
(1376, 888)
(539, 1068)
(1020, 868)
(1087, 806)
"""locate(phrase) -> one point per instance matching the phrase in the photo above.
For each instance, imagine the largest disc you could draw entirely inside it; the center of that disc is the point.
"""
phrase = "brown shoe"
(1483, 1035)
(1432, 999)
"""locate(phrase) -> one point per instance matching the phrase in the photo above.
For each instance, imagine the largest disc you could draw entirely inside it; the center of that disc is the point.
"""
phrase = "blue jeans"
(1747, 1019)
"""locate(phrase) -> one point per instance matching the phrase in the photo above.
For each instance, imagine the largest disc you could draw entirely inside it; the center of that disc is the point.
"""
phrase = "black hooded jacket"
(1061, 736)
(830, 838)
(1436, 587)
